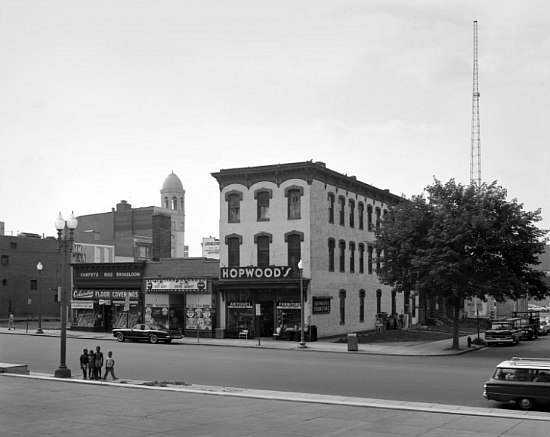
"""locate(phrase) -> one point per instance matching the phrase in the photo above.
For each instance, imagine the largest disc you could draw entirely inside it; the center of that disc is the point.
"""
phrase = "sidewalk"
(441, 347)
(49, 406)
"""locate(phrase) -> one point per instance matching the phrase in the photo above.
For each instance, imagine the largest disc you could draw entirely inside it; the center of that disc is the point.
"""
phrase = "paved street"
(196, 410)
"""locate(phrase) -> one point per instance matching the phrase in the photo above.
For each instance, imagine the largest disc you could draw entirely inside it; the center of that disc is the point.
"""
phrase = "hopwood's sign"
(272, 272)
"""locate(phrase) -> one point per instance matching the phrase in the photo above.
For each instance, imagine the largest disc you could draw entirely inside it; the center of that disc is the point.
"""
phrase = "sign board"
(272, 272)
(182, 285)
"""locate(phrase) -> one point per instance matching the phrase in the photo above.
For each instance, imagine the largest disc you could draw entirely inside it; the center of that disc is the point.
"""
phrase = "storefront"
(260, 299)
(181, 303)
(106, 296)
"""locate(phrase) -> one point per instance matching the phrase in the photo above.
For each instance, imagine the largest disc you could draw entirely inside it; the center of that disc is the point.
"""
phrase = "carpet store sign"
(273, 272)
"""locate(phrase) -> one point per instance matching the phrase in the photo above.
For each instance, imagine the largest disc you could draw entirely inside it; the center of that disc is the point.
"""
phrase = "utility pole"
(475, 153)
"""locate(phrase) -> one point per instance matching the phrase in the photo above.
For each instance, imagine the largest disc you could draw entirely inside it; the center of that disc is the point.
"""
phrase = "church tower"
(172, 198)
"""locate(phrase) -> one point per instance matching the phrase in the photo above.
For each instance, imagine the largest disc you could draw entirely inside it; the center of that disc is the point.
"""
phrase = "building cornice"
(307, 171)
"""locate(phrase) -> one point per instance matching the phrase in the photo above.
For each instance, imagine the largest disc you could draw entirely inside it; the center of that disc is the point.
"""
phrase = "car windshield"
(500, 326)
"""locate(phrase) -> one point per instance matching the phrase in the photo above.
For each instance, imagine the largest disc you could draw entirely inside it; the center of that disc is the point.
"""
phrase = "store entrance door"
(266, 320)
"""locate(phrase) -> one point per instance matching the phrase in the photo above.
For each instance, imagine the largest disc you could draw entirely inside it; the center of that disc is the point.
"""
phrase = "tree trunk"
(456, 324)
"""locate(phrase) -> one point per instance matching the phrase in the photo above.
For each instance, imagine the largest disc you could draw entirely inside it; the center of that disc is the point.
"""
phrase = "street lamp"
(39, 267)
(65, 230)
(302, 304)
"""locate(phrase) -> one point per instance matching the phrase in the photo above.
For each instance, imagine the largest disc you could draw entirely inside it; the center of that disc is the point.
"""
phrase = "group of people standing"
(92, 363)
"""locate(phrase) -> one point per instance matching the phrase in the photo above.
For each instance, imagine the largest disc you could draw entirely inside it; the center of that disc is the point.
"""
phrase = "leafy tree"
(462, 242)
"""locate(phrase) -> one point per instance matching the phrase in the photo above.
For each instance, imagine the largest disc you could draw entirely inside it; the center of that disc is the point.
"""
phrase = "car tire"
(120, 337)
(153, 339)
(525, 403)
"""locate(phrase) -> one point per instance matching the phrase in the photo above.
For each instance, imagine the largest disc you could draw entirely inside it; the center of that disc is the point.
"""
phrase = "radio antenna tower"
(475, 154)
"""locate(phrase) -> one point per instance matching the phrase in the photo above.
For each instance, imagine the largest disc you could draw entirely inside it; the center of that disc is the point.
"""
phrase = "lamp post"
(39, 267)
(65, 230)
(302, 304)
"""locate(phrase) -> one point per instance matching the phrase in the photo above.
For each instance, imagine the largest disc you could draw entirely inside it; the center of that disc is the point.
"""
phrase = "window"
(331, 208)
(4, 260)
(262, 244)
(361, 258)
(174, 203)
(13, 244)
(378, 301)
(294, 195)
(342, 202)
(34, 284)
(369, 217)
(262, 197)
(233, 243)
(234, 206)
(393, 303)
(361, 306)
(166, 203)
(352, 257)
(342, 246)
(4, 282)
(361, 209)
(294, 241)
(378, 218)
(369, 260)
(331, 247)
(351, 213)
(342, 307)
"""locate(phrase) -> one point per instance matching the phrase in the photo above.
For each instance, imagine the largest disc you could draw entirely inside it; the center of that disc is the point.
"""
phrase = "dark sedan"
(147, 332)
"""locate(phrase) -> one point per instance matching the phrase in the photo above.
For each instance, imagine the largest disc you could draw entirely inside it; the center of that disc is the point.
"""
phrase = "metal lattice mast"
(475, 154)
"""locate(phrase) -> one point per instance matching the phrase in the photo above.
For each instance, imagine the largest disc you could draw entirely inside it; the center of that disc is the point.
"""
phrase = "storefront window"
(198, 312)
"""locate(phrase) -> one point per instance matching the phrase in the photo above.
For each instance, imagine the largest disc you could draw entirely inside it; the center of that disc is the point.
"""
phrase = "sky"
(101, 100)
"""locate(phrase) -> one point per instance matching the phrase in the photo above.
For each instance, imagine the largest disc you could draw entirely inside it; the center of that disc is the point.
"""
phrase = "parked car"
(503, 331)
(544, 327)
(529, 331)
(147, 332)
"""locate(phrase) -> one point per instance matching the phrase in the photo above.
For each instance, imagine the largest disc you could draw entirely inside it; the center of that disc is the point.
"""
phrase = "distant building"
(20, 280)
(211, 248)
(139, 234)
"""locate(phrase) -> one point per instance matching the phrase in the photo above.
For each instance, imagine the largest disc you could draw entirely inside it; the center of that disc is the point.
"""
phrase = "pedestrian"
(11, 323)
(109, 366)
(91, 364)
(98, 362)
(84, 362)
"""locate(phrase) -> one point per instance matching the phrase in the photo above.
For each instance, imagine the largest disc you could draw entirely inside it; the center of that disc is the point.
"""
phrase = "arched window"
(234, 199)
(294, 195)
(342, 210)
(262, 197)
(369, 260)
(233, 242)
(361, 306)
(342, 246)
(166, 203)
(351, 213)
(330, 208)
(352, 257)
(342, 296)
(361, 211)
(174, 203)
(369, 217)
(378, 301)
(262, 241)
(361, 258)
(294, 242)
(331, 247)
